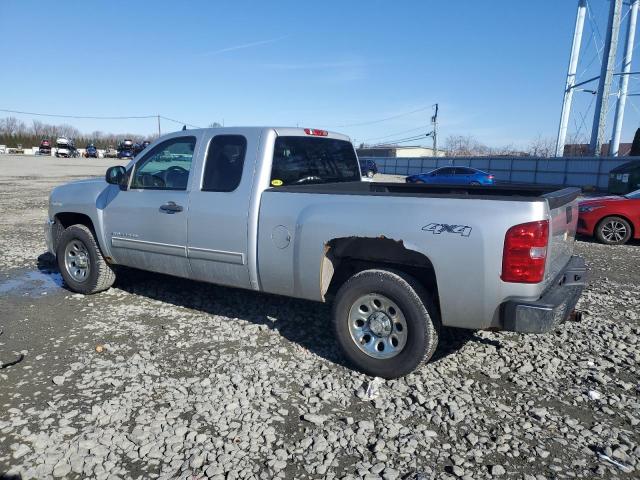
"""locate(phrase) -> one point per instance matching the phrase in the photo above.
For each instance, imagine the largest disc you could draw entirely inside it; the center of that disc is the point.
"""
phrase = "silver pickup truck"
(284, 211)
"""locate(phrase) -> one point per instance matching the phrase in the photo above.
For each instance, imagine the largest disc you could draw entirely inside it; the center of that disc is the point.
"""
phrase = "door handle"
(171, 207)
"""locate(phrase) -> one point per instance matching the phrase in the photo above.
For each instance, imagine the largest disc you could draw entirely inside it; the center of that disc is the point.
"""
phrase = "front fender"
(86, 197)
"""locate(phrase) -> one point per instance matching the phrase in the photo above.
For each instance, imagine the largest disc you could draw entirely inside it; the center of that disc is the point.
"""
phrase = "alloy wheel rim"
(377, 326)
(614, 231)
(76, 260)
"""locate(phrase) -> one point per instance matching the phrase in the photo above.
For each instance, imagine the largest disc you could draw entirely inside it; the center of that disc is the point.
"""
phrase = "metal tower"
(607, 72)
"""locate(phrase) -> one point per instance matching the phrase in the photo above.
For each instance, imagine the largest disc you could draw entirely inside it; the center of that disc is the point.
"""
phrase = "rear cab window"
(304, 160)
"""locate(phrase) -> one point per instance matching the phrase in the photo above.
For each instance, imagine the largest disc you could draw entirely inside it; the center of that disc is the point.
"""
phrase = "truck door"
(217, 229)
(146, 225)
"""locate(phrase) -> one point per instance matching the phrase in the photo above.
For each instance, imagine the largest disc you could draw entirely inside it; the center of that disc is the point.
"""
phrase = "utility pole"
(571, 77)
(606, 75)
(624, 78)
(159, 132)
(434, 133)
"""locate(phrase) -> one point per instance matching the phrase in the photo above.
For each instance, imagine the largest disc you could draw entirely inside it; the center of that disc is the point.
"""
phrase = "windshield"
(298, 160)
(635, 194)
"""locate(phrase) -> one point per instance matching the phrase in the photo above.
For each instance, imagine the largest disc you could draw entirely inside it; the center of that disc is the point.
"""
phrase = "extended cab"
(284, 211)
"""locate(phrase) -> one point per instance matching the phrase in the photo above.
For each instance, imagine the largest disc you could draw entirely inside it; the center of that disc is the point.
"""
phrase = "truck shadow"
(303, 322)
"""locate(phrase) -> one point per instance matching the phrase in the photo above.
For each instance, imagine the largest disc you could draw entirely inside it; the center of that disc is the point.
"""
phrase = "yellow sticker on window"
(276, 183)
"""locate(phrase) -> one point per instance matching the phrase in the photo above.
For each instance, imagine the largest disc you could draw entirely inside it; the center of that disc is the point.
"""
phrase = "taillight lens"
(316, 132)
(525, 252)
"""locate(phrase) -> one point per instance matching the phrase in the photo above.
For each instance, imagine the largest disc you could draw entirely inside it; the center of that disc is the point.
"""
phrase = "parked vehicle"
(453, 176)
(284, 211)
(45, 147)
(91, 151)
(368, 168)
(125, 149)
(138, 147)
(3, 149)
(66, 147)
(110, 152)
(611, 220)
(624, 178)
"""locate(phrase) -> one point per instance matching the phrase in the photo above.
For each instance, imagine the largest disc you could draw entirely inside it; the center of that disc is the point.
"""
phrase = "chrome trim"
(215, 255)
(151, 247)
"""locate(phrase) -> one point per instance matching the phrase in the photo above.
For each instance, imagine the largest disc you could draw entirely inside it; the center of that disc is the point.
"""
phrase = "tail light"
(316, 132)
(491, 177)
(525, 252)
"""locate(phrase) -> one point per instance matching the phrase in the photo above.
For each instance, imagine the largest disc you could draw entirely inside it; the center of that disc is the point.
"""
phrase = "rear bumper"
(554, 307)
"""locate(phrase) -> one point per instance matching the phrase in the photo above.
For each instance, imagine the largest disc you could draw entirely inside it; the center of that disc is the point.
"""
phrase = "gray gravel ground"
(199, 381)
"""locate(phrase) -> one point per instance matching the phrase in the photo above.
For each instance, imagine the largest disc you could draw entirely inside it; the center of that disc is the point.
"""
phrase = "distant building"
(582, 150)
(398, 151)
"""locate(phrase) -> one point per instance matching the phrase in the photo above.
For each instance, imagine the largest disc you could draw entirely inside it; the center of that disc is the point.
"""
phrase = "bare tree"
(464, 146)
(38, 128)
(542, 147)
(68, 131)
(11, 126)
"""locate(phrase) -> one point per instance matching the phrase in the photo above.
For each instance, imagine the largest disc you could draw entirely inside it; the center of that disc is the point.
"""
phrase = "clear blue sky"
(496, 67)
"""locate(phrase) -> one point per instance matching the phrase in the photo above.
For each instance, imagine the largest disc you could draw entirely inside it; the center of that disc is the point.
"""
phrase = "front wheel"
(81, 263)
(613, 231)
(385, 323)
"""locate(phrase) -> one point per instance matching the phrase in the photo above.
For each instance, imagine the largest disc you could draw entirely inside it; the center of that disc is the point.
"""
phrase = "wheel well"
(66, 219)
(620, 216)
(344, 257)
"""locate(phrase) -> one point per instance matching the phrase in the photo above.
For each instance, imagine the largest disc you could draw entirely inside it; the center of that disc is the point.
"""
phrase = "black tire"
(100, 276)
(415, 304)
(605, 231)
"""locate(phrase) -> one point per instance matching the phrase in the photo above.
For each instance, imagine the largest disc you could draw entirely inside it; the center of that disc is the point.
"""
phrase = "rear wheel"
(385, 323)
(81, 263)
(613, 231)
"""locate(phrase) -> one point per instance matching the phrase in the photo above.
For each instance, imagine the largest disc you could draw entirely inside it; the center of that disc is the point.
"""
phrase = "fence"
(569, 171)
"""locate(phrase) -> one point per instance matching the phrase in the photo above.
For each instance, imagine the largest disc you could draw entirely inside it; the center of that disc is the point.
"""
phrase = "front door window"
(166, 166)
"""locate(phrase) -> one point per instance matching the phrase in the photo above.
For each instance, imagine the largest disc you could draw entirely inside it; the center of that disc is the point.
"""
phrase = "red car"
(612, 220)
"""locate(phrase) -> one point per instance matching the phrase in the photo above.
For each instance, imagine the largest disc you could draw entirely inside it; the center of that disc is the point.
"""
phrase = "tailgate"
(563, 219)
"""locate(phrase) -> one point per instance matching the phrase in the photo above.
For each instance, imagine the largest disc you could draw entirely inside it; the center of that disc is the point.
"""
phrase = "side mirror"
(115, 175)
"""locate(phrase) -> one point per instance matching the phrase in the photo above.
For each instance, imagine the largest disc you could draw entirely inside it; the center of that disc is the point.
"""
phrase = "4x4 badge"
(438, 228)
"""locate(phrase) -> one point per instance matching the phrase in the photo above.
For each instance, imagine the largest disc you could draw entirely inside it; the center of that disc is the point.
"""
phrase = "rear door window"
(300, 160)
(224, 163)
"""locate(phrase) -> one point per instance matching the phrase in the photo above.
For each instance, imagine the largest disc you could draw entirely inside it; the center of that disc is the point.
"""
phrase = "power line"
(397, 133)
(402, 140)
(88, 117)
(97, 117)
(178, 121)
(382, 119)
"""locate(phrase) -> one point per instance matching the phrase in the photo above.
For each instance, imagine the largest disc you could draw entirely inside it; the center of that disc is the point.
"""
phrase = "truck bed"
(555, 196)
